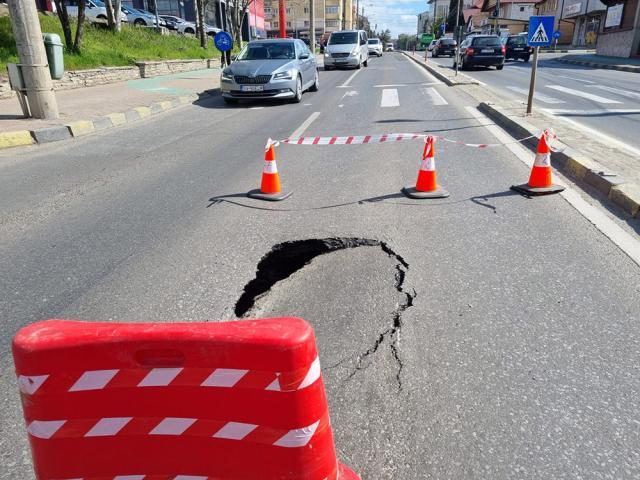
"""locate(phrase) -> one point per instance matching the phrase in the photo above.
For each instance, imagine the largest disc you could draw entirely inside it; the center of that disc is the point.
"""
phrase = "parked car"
(389, 47)
(444, 46)
(432, 45)
(94, 11)
(517, 48)
(375, 46)
(483, 50)
(140, 18)
(172, 21)
(274, 68)
(190, 27)
(347, 48)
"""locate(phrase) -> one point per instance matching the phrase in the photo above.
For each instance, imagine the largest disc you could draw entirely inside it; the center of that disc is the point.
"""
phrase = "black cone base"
(411, 192)
(270, 197)
(525, 189)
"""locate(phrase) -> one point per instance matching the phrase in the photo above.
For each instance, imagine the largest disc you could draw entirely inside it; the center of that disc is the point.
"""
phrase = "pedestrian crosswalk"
(390, 97)
(539, 96)
(545, 98)
(579, 93)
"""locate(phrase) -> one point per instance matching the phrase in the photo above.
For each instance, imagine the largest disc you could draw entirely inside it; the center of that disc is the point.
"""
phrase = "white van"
(347, 48)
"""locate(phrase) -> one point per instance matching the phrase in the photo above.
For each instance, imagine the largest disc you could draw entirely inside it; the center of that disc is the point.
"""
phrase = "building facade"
(425, 22)
(513, 16)
(620, 29)
(330, 15)
(439, 9)
(564, 26)
(587, 16)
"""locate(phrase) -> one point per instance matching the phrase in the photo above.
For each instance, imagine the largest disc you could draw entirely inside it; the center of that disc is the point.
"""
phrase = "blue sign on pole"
(540, 31)
(443, 27)
(223, 41)
(557, 34)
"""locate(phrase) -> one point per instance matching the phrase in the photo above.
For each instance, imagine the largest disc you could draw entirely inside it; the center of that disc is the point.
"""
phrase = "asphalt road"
(485, 335)
(603, 101)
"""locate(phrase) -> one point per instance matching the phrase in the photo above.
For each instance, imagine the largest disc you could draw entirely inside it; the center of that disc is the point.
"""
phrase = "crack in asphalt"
(284, 259)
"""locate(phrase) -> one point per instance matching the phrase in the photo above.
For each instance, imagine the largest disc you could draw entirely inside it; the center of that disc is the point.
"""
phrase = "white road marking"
(346, 84)
(537, 96)
(301, 129)
(586, 95)
(389, 98)
(436, 98)
(341, 105)
(619, 91)
(629, 244)
(614, 142)
(574, 78)
(350, 93)
(388, 86)
(256, 108)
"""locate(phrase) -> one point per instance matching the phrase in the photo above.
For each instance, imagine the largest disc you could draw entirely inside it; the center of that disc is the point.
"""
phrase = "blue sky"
(399, 16)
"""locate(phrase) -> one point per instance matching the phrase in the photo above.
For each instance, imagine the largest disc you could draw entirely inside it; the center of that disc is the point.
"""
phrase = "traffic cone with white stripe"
(270, 185)
(427, 185)
(540, 180)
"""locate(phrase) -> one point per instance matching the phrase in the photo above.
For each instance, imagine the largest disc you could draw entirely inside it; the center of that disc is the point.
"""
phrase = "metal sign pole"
(532, 85)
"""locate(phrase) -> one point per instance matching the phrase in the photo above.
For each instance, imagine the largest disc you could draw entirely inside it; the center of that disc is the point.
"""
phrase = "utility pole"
(312, 26)
(344, 14)
(358, 14)
(457, 35)
(283, 19)
(33, 59)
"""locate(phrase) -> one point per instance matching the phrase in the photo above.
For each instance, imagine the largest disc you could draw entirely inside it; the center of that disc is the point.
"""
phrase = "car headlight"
(227, 76)
(327, 54)
(354, 51)
(288, 75)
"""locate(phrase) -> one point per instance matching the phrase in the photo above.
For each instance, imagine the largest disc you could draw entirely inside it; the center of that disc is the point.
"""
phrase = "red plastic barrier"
(186, 401)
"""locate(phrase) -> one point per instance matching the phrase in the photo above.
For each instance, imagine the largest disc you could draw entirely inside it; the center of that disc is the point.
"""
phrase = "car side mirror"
(304, 56)
(233, 57)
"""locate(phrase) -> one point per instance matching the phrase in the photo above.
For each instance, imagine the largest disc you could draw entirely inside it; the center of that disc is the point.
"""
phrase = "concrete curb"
(441, 76)
(606, 66)
(572, 163)
(83, 128)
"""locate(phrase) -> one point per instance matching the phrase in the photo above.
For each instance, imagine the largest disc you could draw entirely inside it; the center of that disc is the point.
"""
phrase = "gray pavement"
(604, 101)
(516, 356)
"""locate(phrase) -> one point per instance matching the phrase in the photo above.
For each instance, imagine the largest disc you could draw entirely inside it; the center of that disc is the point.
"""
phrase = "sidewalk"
(85, 110)
(601, 61)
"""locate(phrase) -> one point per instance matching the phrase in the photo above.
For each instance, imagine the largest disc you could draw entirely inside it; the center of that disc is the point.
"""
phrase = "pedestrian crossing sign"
(540, 31)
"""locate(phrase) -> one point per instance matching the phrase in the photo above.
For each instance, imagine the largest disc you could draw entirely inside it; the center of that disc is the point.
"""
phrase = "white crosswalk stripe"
(436, 98)
(578, 93)
(619, 91)
(538, 96)
(390, 98)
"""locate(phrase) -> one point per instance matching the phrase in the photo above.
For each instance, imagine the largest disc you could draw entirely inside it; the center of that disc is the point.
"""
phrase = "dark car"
(172, 21)
(444, 46)
(517, 48)
(481, 50)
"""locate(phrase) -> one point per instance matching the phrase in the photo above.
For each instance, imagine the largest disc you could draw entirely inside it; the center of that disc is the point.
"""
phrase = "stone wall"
(616, 44)
(102, 76)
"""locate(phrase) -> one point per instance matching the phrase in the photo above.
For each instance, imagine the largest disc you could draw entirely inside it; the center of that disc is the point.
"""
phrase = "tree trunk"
(61, 8)
(117, 15)
(202, 33)
(77, 44)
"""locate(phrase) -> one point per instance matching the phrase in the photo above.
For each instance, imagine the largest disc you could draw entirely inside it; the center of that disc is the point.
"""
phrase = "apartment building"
(331, 15)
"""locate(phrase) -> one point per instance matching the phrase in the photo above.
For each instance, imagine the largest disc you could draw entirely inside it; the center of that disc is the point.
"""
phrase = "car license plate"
(251, 88)
(341, 61)
(518, 49)
(487, 50)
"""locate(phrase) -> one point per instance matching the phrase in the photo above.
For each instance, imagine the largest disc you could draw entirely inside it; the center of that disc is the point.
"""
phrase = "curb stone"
(82, 128)
(622, 68)
(571, 162)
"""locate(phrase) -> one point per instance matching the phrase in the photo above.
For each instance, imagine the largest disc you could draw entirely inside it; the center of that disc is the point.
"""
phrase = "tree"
(453, 11)
(385, 36)
(200, 26)
(113, 14)
(237, 9)
(436, 26)
(61, 7)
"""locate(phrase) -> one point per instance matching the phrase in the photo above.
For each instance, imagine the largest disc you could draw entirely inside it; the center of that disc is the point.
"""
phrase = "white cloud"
(399, 16)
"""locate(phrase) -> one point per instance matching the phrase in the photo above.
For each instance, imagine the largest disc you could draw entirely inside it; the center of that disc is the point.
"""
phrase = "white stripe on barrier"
(31, 384)
(159, 377)
(108, 427)
(224, 377)
(93, 380)
(298, 438)
(312, 375)
(45, 429)
(235, 430)
(542, 160)
(190, 477)
(172, 426)
(128, 477)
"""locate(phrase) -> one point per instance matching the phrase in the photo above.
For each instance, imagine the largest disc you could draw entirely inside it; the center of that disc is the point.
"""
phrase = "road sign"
(223, 41)
(540, 31)
(443, 27)
(557, 34)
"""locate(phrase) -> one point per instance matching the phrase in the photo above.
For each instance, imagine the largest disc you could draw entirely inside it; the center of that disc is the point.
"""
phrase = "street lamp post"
(312, 26)
(457, 35)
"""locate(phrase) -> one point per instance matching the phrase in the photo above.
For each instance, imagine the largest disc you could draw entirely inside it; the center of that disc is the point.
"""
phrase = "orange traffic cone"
(270, 185)
(427, 185)
(540, 180)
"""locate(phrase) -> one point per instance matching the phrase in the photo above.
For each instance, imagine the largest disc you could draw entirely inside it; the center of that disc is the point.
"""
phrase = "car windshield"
(447, 41)
(343, 38)
(487, 42)
(268, 51)
(374, 41)
(517, 41)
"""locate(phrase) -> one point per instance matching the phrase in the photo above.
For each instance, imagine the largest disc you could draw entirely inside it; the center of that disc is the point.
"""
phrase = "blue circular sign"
(223, 41)
(557, 34)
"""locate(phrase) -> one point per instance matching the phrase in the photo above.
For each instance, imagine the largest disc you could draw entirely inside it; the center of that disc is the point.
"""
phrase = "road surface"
(606, 102)
(485, 335)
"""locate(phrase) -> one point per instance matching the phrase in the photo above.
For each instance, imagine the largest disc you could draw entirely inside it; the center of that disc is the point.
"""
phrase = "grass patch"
(103, 48)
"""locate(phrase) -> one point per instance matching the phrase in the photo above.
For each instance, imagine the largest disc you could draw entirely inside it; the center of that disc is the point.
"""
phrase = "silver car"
(275, 68)
(346, 48)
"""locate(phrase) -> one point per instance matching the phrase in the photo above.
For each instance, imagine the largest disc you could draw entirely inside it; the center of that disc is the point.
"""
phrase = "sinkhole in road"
(284, 259)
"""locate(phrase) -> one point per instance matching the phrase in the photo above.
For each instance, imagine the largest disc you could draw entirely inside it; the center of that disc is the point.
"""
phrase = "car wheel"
(359, 66)
(316, 85)
(101, 17)
(526, 59)
(326, 69)
(230, 101)
(189, 30)
(298, 97)
(499, 67)
(366, 62)
(139, 22)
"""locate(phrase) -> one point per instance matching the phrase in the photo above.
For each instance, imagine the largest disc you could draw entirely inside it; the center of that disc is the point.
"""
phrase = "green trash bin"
(55, 54)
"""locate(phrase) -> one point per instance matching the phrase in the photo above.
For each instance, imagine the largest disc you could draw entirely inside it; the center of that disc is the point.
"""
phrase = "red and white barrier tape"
(394, 137)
